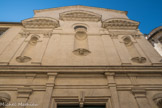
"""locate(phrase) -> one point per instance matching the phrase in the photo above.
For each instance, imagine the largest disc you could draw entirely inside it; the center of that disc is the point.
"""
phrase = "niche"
(4, 99)
(26, 53)
(157, 98)
(81, 41)
(132, 50)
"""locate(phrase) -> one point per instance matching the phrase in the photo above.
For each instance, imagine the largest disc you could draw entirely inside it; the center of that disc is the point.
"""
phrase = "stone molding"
(40, 22)
(120, 23)
(24, 92)
(79, 6)
(79, 15)
(139, 92)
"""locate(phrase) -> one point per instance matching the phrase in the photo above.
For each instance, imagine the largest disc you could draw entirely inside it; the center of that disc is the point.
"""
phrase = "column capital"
(139, 92)
(24, 92)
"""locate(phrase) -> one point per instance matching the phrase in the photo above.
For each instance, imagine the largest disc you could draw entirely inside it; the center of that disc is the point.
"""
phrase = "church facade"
(78, 56)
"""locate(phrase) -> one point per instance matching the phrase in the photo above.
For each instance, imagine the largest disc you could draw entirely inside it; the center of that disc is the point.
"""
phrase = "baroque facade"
(78, 56)
(155, 38)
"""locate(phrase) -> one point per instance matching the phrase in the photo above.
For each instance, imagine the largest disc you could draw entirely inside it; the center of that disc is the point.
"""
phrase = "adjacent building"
(155, 38)
(78, 56)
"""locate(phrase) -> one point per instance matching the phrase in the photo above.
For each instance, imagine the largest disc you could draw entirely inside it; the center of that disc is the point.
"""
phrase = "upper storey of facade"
(76, 36)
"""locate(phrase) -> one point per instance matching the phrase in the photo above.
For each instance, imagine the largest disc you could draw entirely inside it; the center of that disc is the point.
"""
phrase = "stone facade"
(78, 55)
(155, 38)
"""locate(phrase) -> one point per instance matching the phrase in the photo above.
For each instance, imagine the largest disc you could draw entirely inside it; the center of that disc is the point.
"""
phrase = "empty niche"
(81, 41)
(26, 53)
(132, 50)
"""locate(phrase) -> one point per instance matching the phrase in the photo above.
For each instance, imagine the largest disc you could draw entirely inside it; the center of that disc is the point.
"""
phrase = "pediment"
(120, 23)
(80, 15)
(40, 22)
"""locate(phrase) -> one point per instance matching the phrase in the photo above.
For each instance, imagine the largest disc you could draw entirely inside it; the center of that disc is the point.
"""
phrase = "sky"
(147, 12)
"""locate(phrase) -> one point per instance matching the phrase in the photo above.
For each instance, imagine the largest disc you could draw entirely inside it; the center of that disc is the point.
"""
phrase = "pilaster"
(113, 90)
(23, 96)
(140, 96)
(49, 90)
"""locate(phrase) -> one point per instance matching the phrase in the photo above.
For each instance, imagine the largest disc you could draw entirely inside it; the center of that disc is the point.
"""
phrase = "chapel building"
(78, 57)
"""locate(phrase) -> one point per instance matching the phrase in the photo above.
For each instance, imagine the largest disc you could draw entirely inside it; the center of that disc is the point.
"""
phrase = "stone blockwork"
(78, 55)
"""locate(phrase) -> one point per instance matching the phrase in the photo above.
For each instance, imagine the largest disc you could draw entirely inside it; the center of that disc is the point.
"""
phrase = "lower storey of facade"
(93, 89)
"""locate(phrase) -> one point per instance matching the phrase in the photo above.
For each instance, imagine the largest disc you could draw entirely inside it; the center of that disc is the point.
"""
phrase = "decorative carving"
(139, 59)
(81, 99)
(113, 36)
(157, 98)
(127, 40)
(4, 99)
(40, 22)
(81, 41)
(48, 35)
(23, 59)
(25, 34)
(120, 23)
(82, 52)
(80, 15)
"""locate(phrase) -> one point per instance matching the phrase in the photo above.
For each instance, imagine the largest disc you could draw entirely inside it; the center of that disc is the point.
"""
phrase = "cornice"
(82, 69)
(40, 22)
(79, 6)
(120, 23)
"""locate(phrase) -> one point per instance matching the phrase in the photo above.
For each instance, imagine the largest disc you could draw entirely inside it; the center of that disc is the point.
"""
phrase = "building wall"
(56, 58)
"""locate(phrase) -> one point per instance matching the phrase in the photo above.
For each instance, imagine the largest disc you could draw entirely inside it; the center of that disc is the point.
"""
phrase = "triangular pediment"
(40, 22)
(80, 15)
(120, 23)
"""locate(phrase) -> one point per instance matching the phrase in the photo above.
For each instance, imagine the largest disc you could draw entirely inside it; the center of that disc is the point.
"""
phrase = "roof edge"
(77, 6)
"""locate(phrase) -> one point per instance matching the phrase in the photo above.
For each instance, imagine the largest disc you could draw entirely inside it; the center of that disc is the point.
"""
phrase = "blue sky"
(147, 12)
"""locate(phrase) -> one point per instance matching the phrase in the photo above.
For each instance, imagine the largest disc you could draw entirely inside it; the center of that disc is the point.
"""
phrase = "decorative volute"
(40, 22)
(120, 23)
(80, 15)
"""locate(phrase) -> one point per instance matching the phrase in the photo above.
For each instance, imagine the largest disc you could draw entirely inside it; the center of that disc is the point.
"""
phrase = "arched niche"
(25, 54)
(135, 55)
(81, 41)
